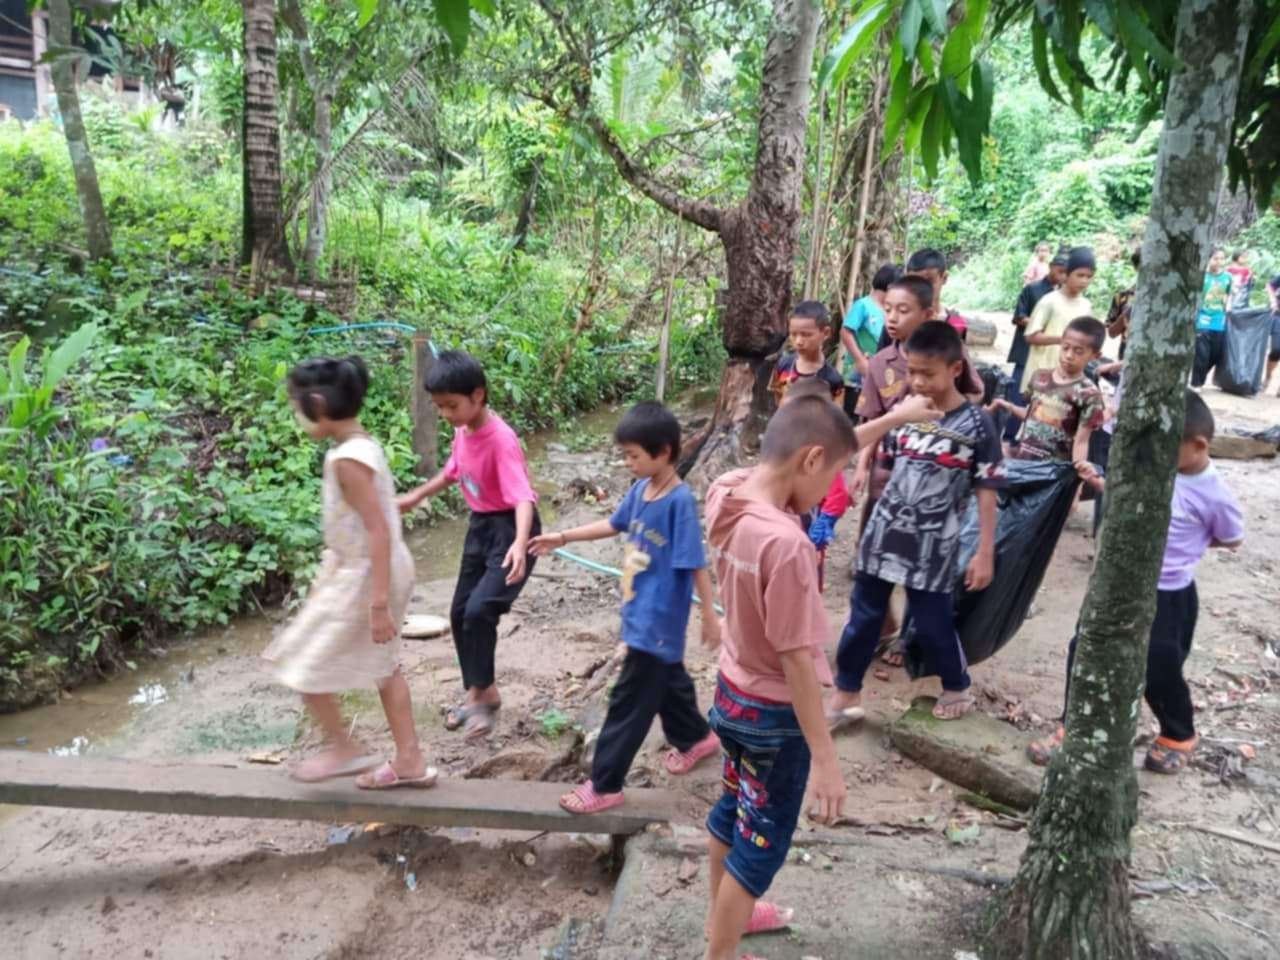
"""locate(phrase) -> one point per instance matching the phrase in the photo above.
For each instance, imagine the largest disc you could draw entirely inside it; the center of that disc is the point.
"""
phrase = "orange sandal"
(1169, 756)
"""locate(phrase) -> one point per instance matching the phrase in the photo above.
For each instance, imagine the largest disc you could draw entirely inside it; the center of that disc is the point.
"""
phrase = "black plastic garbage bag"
(1032, 511)
(1245, 352)
(995, 383)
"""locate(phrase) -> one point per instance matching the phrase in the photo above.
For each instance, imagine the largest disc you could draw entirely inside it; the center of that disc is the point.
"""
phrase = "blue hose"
(607, 570)
(369, 325)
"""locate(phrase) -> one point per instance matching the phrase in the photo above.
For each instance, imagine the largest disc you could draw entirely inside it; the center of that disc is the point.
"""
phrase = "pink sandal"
(583, 799)
(386, 778)
(768, 917)
(679, 762)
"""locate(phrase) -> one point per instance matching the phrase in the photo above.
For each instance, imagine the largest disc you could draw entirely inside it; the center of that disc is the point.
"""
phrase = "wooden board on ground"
(1224, 446)
(95, 783)
(423, 626)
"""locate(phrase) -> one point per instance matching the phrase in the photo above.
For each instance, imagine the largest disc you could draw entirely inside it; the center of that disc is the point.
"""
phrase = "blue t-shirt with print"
(1212, 314)
(663, 549)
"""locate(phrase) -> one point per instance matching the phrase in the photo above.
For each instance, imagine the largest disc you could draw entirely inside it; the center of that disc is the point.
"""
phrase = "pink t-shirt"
(768, 577)
(489, 466)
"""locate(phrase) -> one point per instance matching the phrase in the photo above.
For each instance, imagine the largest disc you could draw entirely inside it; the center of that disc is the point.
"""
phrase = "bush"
(1068, 209)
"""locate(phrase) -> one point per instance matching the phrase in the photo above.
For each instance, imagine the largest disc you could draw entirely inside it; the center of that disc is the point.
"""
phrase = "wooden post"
(425, 418)
(39, 47)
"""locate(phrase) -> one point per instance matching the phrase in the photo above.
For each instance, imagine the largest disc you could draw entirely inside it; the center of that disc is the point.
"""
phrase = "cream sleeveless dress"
(329, 645)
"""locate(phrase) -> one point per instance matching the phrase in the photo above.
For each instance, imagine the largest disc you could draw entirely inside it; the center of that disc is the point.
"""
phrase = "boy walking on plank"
(1205, 514)
(488, 463)
(768, 702)
(664, 565)
(913, 535)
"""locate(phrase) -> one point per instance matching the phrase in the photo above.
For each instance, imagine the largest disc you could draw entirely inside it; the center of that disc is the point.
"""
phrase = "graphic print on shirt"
(913, 534)
(635, 561)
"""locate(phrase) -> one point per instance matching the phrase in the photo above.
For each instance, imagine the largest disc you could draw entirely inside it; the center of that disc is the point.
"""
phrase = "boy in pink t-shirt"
(768, 710)
(488, 463)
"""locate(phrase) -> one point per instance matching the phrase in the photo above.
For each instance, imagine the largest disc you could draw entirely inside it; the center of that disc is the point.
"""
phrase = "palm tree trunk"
(1070, 898)
(96, 225)
(263, 238)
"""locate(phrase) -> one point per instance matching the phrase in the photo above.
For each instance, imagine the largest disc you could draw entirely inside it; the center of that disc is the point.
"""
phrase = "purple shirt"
(1204, 510)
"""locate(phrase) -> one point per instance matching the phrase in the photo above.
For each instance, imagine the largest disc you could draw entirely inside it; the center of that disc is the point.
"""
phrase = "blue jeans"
(931, 619)
(766, 768)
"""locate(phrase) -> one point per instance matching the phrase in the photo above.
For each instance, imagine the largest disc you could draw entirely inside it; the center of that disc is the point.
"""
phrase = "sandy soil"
(91, 884)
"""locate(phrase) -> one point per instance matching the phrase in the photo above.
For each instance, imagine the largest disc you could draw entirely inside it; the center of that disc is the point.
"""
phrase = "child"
(820, 522)
(809, 327)
(913, 535)
(1121, 310)
(664, 565)
(1031, 295)
(1052, 314)
(1064, 406)
(861, 331)
(489, 464)
(1273, 357)
(347, 634)
(1038, 266)
(908, 304)
(768, 702)
(1241, 280)
(1211, 319)
(932, 265)
(1204, 515)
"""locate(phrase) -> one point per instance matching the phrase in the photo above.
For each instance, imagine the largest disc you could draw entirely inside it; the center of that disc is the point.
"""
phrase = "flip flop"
(680, 762)
(1040, 752)
(386, 778)
(479, 722)
(583, 799)
(965, 703)
(840, 718)
(768, 917)
(456, 717)
(348, 768)
(1169, 756)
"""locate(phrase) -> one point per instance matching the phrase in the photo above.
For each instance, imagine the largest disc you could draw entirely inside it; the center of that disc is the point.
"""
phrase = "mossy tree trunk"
(97, 227)
(1070, 898)
(263, 241)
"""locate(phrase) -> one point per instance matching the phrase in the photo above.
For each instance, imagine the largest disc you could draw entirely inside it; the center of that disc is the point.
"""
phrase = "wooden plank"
(96, 783)
(425, 418)
(1230, 447)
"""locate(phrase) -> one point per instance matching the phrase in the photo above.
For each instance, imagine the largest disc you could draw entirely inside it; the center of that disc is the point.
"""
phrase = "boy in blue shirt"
(861, 332)
(1211, 319)
(664, 563)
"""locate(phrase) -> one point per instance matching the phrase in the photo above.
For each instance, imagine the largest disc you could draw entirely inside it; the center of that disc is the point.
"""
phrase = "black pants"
(1100, 456)
(482, 595)
(1210, 350)
(646, 687)
(1167, 692)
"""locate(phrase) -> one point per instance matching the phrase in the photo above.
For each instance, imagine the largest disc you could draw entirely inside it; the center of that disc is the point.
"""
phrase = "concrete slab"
(976, 751)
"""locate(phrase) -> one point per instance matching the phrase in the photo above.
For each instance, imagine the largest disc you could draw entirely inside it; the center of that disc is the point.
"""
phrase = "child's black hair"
(885, 276)
(927, 259)
(808, 422)
(456, 371)
(1092, 328)
(1235, 257)
(815, 310)
(809, 387)
(917, 286)
(1199, 421)
(340, 385)
(936, 339)
(652, 427)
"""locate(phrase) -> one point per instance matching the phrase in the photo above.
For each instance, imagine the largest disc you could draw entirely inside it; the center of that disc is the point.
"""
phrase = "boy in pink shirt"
(768, 709)
(488, 462)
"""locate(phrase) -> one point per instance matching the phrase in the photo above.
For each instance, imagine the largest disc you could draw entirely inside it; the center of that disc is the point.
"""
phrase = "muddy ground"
(902, 879)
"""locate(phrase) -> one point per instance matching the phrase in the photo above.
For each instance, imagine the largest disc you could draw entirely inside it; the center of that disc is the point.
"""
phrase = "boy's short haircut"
(917, 286)
(885, 276)
(1090, 327)
(808, 422)
(456, 371)
(1199, 421)
(652, 427)
(1235, 257)
(808, 387)
(927, 259)
(815, 310)
(936, 339)
(1059, 260)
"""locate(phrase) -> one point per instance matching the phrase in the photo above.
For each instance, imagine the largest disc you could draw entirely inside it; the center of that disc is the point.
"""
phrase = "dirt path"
(89, 884)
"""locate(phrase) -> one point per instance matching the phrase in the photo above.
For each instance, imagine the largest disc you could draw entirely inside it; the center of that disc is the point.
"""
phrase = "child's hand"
(546, 543)
(711, 625)
(916, 408)
(981, 569)
(407, 502)
(826, 792)
(1089, 474)
(858, 484)
(384, 628)
(516, 562)
(999, 403)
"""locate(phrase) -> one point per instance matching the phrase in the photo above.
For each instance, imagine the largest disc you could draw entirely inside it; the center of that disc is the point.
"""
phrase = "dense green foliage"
(202, 493)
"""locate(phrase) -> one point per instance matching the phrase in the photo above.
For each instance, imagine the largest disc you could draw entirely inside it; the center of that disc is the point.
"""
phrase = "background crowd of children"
(904, 414)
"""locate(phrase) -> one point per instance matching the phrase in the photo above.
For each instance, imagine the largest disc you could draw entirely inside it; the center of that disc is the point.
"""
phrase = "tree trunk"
(322, 185)
(263, 238)
(759, 241)
(1070, 898)
(96, 225)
